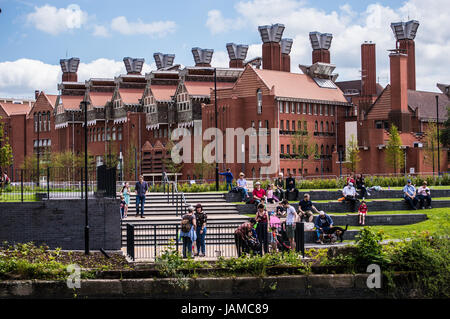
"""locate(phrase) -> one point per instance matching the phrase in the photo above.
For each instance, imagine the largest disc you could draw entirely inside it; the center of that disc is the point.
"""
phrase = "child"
(271, 198)
(122, 207)
(362, 212)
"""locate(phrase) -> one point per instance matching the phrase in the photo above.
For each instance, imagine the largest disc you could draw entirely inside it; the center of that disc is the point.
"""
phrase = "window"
(332, 110)
(321, 149)
(259, 100)
(332, 127)
(267, 124)
(379, 124)
(328, 150)
(286, 108)
(295, 172)
(316, 126)
(119, 133)
(35, 122)
(280, 104)
(98, 134)
(309, 109)
(114, 133)
(299, 125)
(299, 106)
(305, 126)
(328, 127)
(293, 125)
(304, 108)
(287, 126)
(103, 133)
(326, 110)
(260, 124)
(282, 125)
(288, 171)
(292, 107)
(321, 109)
(315, 109)
(282, 149)
(40, 121)
(321, 126)
(288, 149)
(316, 149)
(108, 134)
(253, 124)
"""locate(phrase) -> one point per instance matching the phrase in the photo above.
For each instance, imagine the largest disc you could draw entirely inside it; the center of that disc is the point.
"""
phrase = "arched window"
(40, 121)
(316, 149)
(321, 126)
(328, 150)
(35, 122)
(48, 119)
(321, 149)
(259, 100)
(316, 126)
(328, 127)
(332, 127)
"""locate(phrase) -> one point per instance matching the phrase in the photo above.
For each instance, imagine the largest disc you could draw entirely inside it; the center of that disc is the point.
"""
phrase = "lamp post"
(215, 114)
(437, 128)
(86, 227)
(38, 147)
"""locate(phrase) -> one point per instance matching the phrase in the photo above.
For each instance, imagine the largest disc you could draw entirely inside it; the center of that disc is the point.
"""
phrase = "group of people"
(140, 190)
(193, 230)
(421, 195)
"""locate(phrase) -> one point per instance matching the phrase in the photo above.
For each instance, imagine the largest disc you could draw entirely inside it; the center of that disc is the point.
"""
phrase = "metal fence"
(145, 242)
(47, 183)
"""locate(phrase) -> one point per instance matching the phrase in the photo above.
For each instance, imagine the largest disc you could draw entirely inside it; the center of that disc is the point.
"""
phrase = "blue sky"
(34, 35)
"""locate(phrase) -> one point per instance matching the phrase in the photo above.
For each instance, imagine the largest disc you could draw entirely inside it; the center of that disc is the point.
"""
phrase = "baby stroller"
(253, 244)
(283, 243)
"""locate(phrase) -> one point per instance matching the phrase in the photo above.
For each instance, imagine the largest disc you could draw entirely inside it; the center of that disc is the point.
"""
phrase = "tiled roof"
(355, 85)
(301, 86)
(15, 109)
(425, 104)
(131, 96)
(163, 92)
(71, 102)
(204, 88)
(52, 98)
(99, 99)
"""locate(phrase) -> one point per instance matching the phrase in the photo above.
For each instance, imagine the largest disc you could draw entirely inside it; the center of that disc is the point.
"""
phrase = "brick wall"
(60, 223)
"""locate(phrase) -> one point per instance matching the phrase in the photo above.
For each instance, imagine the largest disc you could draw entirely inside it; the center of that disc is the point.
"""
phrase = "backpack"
(185, 225)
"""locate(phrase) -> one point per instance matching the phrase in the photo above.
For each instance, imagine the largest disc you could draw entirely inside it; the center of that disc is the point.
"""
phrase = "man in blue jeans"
(409, 193)
(323, 224)
(228, 178)
(141, 190)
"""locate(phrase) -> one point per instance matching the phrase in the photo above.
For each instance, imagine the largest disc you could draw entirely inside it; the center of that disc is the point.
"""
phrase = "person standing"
(262, 228)
(126, 197)
(423, 194)
(188, 233)
(140, 190)
(228, 178)
(290, 222)
(409, 194)
(200, 219)
(242, 186)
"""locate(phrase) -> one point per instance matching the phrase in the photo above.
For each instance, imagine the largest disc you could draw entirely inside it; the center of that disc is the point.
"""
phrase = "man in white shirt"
(349, 192)
(423, 194)
(291, 219)
(409, 193)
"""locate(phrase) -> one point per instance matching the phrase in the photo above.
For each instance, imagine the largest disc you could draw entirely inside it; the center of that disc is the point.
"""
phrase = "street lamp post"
(38, 147)
(215, 113)
(437, 128)
(86, 227)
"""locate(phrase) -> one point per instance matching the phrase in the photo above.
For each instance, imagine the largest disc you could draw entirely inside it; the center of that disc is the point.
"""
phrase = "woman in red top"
(262, 229)
(259, 194)
(362, 212)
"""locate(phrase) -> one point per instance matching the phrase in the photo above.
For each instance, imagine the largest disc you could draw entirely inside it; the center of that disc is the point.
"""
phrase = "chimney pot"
(202, 57)
(69, 67)
(163, 60)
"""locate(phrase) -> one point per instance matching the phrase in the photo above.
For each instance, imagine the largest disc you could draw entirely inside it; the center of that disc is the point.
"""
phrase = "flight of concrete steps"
(159, 211)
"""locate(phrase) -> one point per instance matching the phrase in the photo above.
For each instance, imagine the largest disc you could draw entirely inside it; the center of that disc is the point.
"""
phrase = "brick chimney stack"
(405, 33)
(163, 60)
(133, 65)
(69, 68)
(271, 49)
(202, 57)
(399, 114)
(237, 54)
(286, 46)
(369, 69)
(320, 43)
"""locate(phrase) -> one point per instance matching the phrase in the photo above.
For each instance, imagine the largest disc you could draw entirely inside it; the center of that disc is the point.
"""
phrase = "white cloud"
(23, 76)
(155, 29)
(101, 31)
(350, 29)
(220, 59)
(54, 21)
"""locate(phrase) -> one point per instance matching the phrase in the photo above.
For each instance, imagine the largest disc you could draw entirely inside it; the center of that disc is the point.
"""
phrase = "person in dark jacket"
(279, 190)
(141, 189)
(290, 187)
(323, 224)
(201, 218)
(228, 178)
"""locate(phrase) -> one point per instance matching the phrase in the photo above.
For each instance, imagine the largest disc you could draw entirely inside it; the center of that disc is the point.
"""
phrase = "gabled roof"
(163, 92)
(348, 86)
(71, 102)
(424, 103)
(131, 96)
(15, 109)
(299, 86)
(204, 88)
(99, 99)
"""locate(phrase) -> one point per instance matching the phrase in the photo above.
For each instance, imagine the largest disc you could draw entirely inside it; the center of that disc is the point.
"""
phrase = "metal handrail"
(175, 193)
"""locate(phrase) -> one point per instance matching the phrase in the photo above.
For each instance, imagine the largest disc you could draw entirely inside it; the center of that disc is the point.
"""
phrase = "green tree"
(394, 153)
(5, 149)
(352, 154)
(130, 162)
(302, 145)
(444, 135)
(430, 142)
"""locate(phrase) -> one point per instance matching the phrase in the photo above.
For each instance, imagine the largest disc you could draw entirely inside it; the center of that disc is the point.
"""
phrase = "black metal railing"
(47, 183)
(170, 189)
(149, 241)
